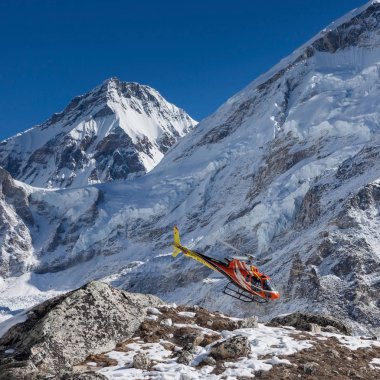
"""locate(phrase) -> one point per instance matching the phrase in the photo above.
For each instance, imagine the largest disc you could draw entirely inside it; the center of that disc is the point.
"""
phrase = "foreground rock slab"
(66, 329)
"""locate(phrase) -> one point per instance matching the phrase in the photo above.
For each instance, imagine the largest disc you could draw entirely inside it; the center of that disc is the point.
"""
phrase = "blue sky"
(196, 53)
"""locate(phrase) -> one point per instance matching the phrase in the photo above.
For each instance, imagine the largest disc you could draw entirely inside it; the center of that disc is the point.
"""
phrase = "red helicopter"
(246, 282)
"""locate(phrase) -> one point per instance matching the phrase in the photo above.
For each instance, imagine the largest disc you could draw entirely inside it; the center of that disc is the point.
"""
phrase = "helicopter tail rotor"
(177, 243)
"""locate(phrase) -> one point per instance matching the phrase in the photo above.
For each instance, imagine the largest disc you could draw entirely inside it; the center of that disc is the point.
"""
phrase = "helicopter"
(246, 282)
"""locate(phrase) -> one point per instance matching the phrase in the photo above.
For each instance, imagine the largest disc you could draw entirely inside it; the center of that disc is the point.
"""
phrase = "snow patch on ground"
(264, 341)
(375, 363)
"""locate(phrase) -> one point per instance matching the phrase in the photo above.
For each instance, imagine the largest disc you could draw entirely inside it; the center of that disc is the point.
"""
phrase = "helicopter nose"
(275, 295)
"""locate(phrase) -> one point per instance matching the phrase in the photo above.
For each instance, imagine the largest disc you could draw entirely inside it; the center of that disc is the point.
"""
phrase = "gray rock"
(333, 353)
(190, 347)
(231, 348)
(250, 322)
(187, 336)
(219, 368)
(19, 370)
(315, 328)
(307, 322)
(90, 375)
(141, 361)
(331, 329)
(185, 357)
(310, 368)
(209, 360)
(309, 210)
(63, 331)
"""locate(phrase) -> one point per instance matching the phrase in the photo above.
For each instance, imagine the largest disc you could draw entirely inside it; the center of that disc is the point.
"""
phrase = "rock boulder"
(64, 330)
(231, 348)
(308, 322)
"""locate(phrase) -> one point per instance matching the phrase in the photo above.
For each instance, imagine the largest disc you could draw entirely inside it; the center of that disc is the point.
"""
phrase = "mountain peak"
(116, 130)
(112, 80)
(107, 84)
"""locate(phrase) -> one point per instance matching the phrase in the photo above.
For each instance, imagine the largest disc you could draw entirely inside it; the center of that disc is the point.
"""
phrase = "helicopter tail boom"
(178, 248)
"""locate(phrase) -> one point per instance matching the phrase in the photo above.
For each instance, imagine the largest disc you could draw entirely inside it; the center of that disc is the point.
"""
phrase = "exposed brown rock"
(101, 360)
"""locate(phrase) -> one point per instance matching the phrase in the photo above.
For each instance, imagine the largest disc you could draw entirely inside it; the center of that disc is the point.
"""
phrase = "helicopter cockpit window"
(267, 285)
(255, 281)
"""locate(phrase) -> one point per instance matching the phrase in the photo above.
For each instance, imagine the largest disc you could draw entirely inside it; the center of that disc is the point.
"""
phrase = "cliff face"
(16, 221)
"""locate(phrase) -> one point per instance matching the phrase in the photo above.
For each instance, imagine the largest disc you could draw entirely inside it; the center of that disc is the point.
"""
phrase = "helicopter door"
(253, 281)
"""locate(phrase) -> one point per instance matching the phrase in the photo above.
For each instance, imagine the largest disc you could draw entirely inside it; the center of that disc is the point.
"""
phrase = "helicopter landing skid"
(232, 290)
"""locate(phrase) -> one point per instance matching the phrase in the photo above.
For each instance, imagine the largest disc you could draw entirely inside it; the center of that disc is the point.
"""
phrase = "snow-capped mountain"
(116, 130)
(287, 169)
